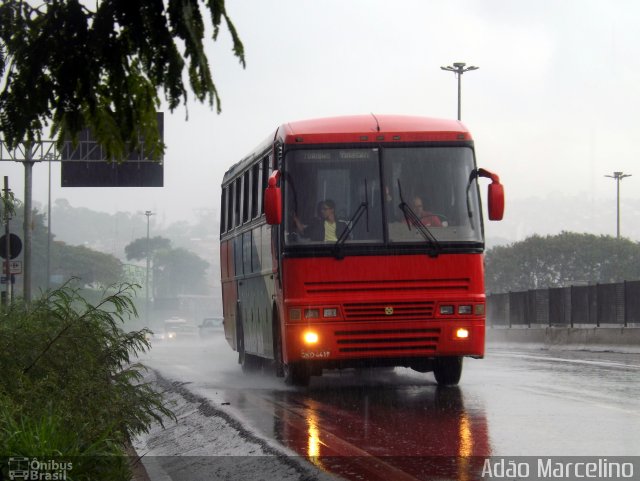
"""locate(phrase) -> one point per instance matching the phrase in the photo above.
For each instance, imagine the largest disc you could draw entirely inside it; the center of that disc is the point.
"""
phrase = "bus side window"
(223, 211)
(256, 198)
(236, 205)
(230, 208)
(265, 180)
(246, 198)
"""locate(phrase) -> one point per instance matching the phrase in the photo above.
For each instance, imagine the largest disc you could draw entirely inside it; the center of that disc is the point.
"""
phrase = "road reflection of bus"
(385, 432)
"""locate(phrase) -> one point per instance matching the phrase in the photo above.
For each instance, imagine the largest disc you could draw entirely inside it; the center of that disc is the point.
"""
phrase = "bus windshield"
(397, 195)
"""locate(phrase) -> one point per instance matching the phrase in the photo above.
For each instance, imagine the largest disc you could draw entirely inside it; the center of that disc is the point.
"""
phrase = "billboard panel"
(85, 165)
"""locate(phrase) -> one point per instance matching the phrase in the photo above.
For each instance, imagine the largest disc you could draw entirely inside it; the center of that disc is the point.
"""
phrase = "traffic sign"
(15, 246)
(14, 266)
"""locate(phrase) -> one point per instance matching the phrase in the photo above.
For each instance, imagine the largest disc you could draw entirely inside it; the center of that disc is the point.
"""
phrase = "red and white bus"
(391, 275)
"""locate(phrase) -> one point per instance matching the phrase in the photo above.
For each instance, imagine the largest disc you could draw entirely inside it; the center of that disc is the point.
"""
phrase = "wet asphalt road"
(387, 424)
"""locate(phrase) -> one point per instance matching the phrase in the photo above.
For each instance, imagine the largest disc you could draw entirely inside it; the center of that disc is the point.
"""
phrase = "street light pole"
(28, 221)
(146, 308)
(458, 69)
(618, 176)
(6, 217)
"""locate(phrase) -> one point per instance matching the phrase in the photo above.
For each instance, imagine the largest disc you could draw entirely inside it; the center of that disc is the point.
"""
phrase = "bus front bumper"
(342, 342)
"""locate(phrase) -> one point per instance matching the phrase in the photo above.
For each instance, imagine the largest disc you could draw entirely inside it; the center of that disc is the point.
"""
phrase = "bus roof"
(358, 129)
(372, 128)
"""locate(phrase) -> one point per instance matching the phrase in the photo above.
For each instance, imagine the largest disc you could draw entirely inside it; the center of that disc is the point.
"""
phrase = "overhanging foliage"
(66, 64)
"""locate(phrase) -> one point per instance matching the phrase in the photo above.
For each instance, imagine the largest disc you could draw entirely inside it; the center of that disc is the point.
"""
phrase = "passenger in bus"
(326, 228)
(427, 218)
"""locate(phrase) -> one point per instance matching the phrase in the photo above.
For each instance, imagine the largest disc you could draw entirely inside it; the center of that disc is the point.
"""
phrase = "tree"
(88, 265)
(175, 271)
(63, 63)
(179, 271)
(561, 260)
(137, 250)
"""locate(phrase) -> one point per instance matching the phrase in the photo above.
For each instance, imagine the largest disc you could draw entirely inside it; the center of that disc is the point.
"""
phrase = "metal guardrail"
(596, 305)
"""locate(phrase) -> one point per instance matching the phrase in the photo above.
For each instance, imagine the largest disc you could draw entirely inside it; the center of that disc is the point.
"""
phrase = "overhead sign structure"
(85, 164)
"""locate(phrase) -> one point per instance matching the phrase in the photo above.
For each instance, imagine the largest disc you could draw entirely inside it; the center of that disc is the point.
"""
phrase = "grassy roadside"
(70, 389)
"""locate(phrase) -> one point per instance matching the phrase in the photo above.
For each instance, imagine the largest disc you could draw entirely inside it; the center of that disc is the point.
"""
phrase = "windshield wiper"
(355, 218)
(472, 177)
(411, 218)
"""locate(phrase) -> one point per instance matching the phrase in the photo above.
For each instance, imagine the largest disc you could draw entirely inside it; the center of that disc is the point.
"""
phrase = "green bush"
(69, 385)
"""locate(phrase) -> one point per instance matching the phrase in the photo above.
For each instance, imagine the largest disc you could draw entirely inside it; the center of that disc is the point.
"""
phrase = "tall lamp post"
(459, 68)
(618, 176)
(146, 303)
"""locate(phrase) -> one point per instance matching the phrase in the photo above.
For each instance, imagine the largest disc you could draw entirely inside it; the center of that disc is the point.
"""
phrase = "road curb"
(138, 470)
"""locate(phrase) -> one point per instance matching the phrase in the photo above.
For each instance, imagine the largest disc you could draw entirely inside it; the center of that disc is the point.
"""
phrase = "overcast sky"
(552, 109)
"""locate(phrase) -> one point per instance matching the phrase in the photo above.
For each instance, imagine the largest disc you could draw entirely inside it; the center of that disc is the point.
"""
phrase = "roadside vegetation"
(561, 260)
(70, 387)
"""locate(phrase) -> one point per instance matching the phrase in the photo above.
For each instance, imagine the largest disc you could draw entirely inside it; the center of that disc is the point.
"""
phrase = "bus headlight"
(461, 333)
(310, 337)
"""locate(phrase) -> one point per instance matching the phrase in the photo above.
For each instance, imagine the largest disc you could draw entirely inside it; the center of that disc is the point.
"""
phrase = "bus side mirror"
(273, 200)
(495, 195)
(496, 201)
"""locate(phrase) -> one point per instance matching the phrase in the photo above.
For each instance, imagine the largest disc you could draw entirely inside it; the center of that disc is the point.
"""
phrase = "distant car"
(178, 328)
(211, 326)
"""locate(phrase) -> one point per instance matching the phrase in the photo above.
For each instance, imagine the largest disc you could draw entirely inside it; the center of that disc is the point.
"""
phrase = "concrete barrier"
(625, 339)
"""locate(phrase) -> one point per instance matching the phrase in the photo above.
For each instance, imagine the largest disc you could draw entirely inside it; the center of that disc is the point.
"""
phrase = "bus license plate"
(315, 354)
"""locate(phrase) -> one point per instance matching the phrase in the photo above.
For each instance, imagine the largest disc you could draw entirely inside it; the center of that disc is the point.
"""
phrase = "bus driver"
(325, 228)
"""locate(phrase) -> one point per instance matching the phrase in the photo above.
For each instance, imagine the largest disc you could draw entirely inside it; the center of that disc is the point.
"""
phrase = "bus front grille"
(389, 311)
(387, 340)
(367, 287)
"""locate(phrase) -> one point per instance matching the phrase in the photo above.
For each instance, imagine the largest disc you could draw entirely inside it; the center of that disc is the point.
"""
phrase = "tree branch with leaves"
(70, 66)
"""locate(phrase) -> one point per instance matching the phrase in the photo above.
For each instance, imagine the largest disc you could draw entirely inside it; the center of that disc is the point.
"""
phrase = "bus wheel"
(447, 370)
(296, 374)
(277, 345)
(250, 363)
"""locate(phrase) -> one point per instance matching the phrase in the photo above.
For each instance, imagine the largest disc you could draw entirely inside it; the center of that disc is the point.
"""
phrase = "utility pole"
(618, 176)
(146, 309)
(459, 68)
(6, 218)
(28, 220)
(49, 226)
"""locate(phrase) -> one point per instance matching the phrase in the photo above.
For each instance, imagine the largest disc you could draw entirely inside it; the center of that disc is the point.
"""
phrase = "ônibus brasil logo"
(33, 469)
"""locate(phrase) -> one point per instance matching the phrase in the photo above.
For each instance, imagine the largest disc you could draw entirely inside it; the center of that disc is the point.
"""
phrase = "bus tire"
(277, 344)
(251, 363)
(447, 370)
(296, 374)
